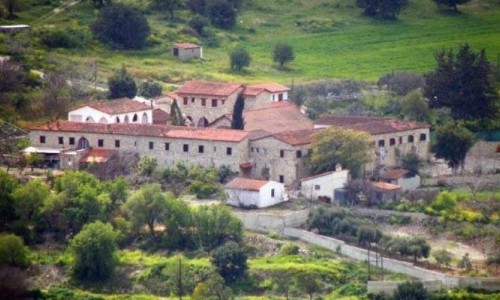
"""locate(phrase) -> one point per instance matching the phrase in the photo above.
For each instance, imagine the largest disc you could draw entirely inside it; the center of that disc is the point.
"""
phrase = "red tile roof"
(282, 116)
(246, 184)
(119, 106)
(160, 116)
(98, 156)
(394, 174)
(252, 91)
(205, 88)
(270, 87)
(295, 138)
(372, 125)
(384, 186)
(186, 46)
(176, 132)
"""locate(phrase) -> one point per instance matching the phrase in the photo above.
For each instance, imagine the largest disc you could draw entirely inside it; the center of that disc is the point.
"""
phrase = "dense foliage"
(237, 121)
(121, 27)
(386, 9)
(283, 54)
(239, 58)
(230, 261)
(150, 89)
(452, 143)
(121, 84)
(13, 253)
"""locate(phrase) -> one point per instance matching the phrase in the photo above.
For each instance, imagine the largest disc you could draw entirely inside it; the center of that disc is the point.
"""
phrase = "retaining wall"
(388, 287)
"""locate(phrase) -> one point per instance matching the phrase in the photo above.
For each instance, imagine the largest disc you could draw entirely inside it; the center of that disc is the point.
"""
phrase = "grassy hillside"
(331, 40)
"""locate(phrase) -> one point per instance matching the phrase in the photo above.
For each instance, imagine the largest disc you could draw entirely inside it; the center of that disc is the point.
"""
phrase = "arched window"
(83, 143)
(203, 122)
(134, 118)
(144, 119)
(90, 119)
(103, 120)
(126, 119)
(117, 120)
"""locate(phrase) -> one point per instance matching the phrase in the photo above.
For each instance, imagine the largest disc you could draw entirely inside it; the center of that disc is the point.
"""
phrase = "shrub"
(198, 23)
(147, 165)
(150, 89)
(411, 291)
(222, 14)
(465, 263)
(443, 257)
(289, 249)
(230, 261)
(121, 84)
(283, 54)
(239, 58)
(401, 83)
(13, 253)
(93, 251)
(67, 38)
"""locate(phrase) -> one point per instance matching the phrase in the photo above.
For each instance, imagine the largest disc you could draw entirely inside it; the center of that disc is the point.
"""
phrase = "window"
(229, 151)
(214, 102)
(193, 99)
(215, 149)
(185, 100)
(251, 149)
(167, 146)
(400, 140)
(71, 140)
(203, 101)
(282, 153)
(280, 97)
(134, 118)
(423, 137)
(100, 143)
(299, 153)
(185, 148)
(60, 140)
(410, 139)
(151, 145)
(257, 149)
(392, 141)
(117, 143)
(282, 178)
(317, 187)
(42, 139)
(272, 193)
(201, 149)
(381, 143)
(223, 101)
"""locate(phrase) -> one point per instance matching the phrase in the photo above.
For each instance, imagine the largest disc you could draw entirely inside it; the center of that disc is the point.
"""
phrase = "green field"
(331, 40)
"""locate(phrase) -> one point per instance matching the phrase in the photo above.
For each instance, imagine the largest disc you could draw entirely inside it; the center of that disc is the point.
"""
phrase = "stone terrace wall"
(388, 287)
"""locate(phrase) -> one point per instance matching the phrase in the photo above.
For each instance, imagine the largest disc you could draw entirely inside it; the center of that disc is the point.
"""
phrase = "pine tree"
(176, 115)
(239, 106)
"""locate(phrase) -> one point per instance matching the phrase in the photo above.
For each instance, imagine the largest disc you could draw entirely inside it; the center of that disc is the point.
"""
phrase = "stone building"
(122, 110)
(187, 51)
(391, 137)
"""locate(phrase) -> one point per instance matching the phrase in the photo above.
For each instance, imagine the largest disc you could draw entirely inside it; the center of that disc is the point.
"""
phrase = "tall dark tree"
(239, 106)
(176, 115)
(451, 3)
(463, 83)
(121, 27)
(386, 9)
(452, 143)
(121, 84)
(221, 13)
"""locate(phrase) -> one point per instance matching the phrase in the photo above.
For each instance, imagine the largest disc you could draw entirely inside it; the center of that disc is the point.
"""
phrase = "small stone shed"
(187, 51)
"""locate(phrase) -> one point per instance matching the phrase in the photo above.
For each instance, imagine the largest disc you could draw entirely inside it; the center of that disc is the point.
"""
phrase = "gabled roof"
(371, 125)
(205, 88)
(118, 106)
(384, 186)
(295, 138)
(395, 174)
(248, 184)
(270, 87)
(186, 46)
(160, 116)
(98, 156)
(323, 174)
(281, 116)
(175, 132)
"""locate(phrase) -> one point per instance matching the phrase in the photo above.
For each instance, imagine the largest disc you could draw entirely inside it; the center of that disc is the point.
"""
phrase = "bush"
(121, 84)
(283, 54)
(13, 253)
(93, 251)
(67, 38)
(411, 291)
(147, 165)
(222, 14)
(150, 89)
(289, 249)
(401, 83)
(239, 58)
(230, 261)
(443, 257)
(121, 27)
(198, 23)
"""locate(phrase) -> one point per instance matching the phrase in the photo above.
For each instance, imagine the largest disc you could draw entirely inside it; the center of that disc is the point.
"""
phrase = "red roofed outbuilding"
(254, 193)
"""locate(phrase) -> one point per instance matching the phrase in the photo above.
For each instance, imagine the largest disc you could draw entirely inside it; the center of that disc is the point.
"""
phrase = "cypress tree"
(239, 106)
(176, 115)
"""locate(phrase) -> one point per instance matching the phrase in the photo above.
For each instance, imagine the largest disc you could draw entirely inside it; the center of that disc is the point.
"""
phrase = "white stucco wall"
(409, 184)
(265, 197)
(326, 184)
(91, 115)
(262, 198)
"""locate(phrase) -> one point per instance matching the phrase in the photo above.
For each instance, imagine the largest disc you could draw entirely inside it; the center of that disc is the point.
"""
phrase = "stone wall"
(266, 153)
(214, 152)
(388, 287)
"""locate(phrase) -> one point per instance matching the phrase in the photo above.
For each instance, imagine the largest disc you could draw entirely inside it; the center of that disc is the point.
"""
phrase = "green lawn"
(331, 40)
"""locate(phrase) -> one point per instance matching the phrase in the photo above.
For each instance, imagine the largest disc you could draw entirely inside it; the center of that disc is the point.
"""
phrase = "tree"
(176, 115)
(147, 206)
(93, 251)
(230, 261)
(150, 89)
(411, 162)
(283, 54)
(121, 84)
(451, 3)
(121, 27)
(55, 101)
(12, 6)
(401, 83)
(13, 253)
(309, 283)
(282, 282)
(465, 263)
(147, 165)
(213, 287)
(29, 199)
(367, 236)
(221, 13)
(385, 9)
(239, 58)
(170, 6)
(34, 160)
(7, 208)
(198, 23)
(418, 247)
(463, 83)
(411, 291)
(452, 143)
(443, 257)
(216, 225)
(415, 107)
(348, 147)
(238, 121)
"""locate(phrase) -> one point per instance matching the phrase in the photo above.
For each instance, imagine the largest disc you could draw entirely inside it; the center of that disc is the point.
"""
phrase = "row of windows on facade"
(185, 101)
(298, 153)
(151, 145)
(411, 139)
